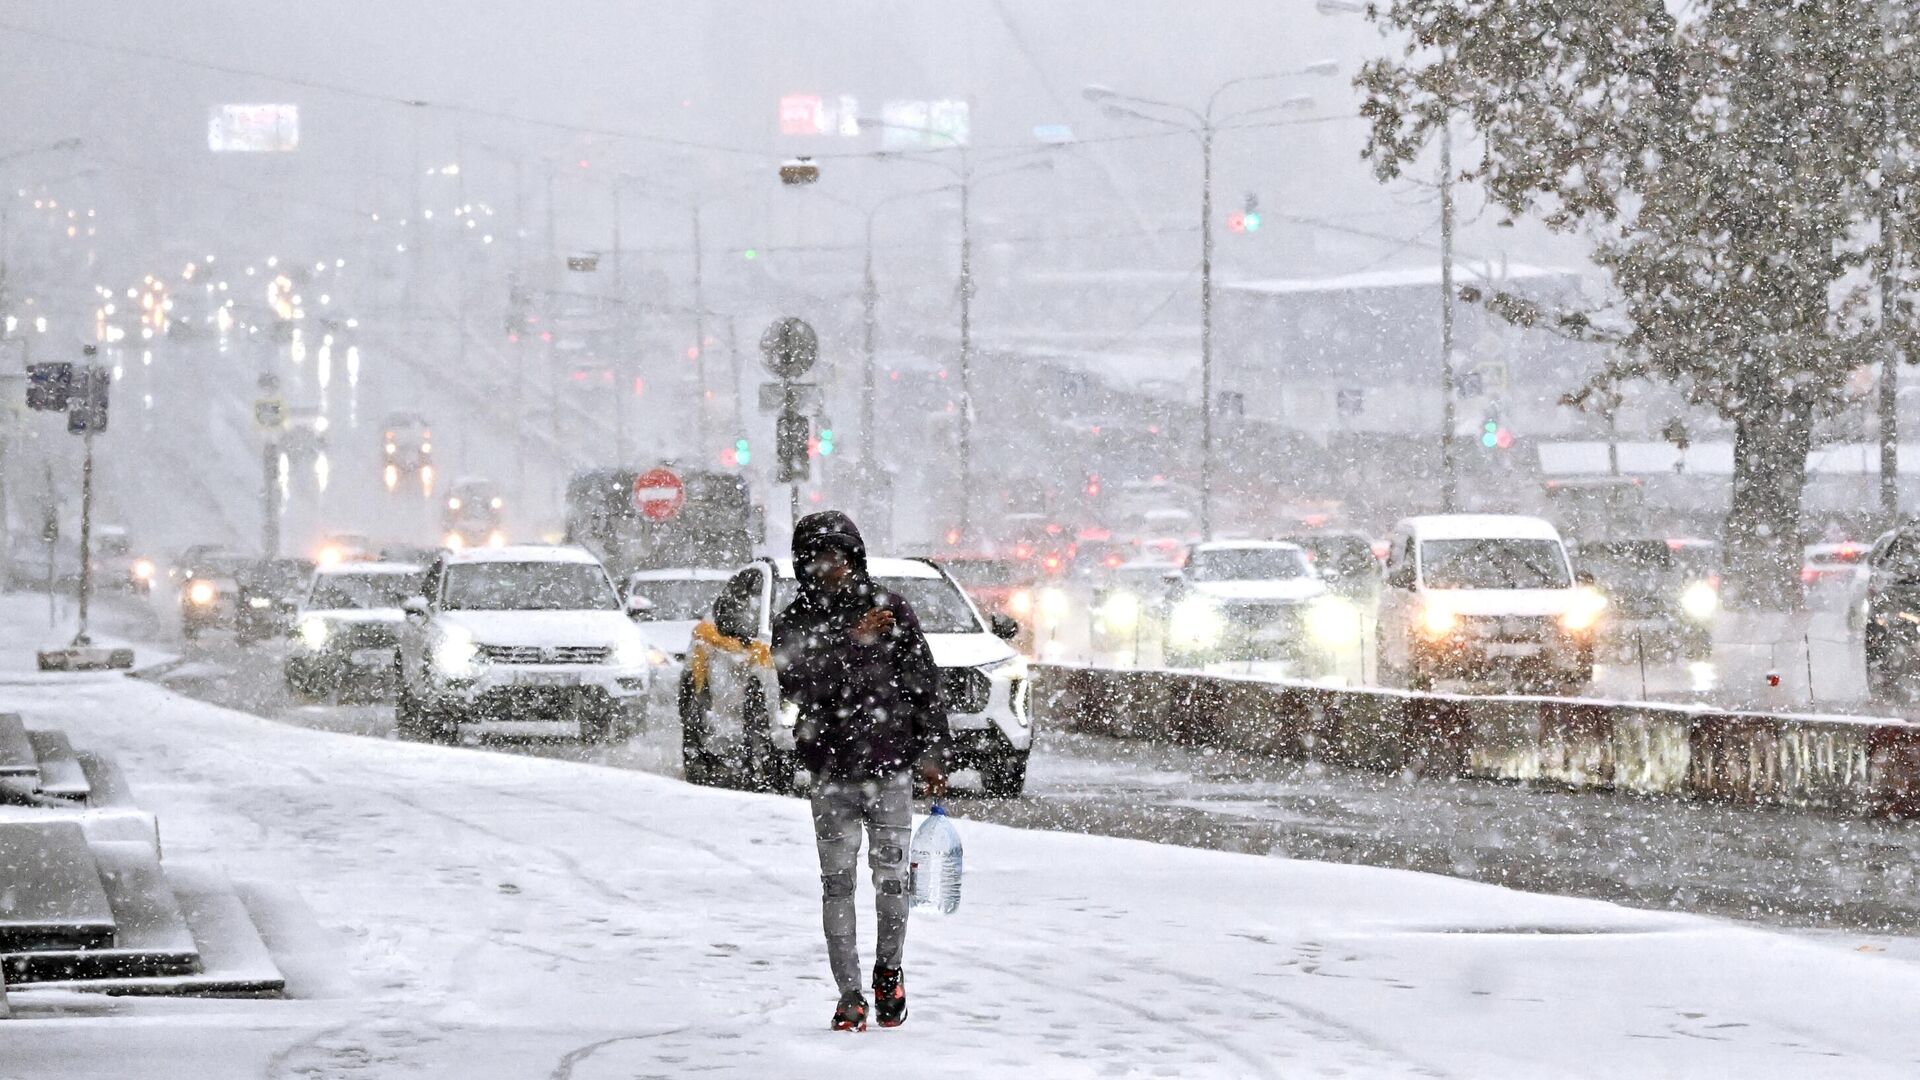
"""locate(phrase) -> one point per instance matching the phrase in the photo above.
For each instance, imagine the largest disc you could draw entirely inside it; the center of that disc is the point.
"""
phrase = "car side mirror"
(1401, 578)
(1004, 626)
(639, 608)
(414, 607)
(1583, 577)
(1174, 577)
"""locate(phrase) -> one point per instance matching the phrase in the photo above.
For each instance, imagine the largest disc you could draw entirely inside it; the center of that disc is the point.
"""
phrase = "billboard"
(938, 123)
(255, 129)
(812, 114)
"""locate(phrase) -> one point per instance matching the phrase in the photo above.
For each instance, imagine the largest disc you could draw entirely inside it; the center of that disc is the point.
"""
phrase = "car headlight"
(259, 603)
(1437, 619)
(1013, 667)
(1333, 622)
(1120, 613)
(1700, 600)
(1584, 611)
(658, 657)
(1053, 605)
(314, 632)
(143, 569)
(201, 593)
(1195, 622)
(632, 651)
(496, 538)
(455, 654)
(1021, 602)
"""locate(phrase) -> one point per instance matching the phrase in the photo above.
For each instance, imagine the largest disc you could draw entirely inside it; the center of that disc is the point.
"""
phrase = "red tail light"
(1808, 574)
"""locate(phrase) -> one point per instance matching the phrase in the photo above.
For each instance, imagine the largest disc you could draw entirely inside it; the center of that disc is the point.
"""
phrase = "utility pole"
(966, 345)
(1206, 331)
(1449, 482)
(622, 336)
(869, 330)
(1889, 398)
(700, 337)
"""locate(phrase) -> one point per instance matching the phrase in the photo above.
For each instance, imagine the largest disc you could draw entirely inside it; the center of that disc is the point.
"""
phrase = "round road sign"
(658, 493)
(789, 348)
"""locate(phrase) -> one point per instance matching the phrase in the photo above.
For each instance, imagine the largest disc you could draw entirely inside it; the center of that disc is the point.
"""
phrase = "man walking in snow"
(852, 657)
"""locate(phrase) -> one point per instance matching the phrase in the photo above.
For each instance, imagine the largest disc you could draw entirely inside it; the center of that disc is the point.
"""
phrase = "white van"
(1485, 598)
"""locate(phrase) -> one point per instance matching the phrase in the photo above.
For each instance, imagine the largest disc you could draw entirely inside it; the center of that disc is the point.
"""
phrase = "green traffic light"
(1250, 221)
(752, 254)
(826, 441)
(742, 455)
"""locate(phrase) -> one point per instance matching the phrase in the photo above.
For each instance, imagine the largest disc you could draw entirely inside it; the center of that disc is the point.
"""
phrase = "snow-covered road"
(488, 914)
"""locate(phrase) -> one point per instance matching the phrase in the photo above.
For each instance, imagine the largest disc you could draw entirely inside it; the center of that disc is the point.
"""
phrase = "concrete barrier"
(1838, 764)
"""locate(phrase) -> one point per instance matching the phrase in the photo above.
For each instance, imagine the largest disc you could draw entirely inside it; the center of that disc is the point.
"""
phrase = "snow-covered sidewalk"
(493, 915)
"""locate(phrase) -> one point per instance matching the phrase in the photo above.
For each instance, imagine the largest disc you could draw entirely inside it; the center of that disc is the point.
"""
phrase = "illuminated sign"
(942, 122)
(253, 128)
(811, 114)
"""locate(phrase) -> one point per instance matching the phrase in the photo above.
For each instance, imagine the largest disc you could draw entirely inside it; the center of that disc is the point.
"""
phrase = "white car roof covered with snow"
(894, 568)
(1480, 527)
(1246, 545)
(522, 553)
(363, 569)
(682, 573)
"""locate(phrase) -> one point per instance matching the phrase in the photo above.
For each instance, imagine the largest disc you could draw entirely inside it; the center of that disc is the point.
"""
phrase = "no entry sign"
(658, 493)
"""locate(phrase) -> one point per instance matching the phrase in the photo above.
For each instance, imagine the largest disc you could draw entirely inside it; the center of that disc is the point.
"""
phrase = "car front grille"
(1510, 627)
(964, 690)
(367, 637)
(546, 654)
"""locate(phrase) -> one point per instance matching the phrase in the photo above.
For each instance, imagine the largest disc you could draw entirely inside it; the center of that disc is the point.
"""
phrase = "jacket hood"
(816, 533)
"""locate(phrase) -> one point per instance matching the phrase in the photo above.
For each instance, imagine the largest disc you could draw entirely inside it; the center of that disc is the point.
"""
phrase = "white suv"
(731, 719)
(518, 641)
(1485, 597)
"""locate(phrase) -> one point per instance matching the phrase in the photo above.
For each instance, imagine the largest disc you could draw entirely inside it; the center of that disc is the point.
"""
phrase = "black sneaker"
(889, 997)
(851, 1013)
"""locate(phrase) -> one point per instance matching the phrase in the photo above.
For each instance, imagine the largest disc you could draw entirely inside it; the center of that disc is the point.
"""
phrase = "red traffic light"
(1237, 222)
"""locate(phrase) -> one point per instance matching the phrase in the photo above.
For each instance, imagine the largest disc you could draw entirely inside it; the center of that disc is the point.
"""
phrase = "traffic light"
(742, 453)
(826, 441)
(1250, 214)
(1494, 435)
(1237, 222)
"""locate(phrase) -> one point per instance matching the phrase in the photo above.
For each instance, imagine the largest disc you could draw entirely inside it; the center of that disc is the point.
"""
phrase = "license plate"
(1513, 648)
(1273, 634)
(547, 678)
(372, 658)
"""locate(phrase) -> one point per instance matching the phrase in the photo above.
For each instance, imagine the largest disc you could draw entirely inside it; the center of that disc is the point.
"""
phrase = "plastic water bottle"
(935, 858)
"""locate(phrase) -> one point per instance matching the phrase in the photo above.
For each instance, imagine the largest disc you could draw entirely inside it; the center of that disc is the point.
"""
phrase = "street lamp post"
(1204, 125)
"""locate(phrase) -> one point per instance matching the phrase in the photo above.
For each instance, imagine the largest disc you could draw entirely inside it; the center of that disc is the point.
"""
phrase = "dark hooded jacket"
(870, 704)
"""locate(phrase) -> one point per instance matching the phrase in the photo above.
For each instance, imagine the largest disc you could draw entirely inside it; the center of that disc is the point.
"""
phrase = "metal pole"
(620, 351)
(1206, 331)
(700, 340)
(870, 314)
(966, 348)
(50, 532)
(1889, 386)
(269, 502)
(1449, 483)
(86, 512)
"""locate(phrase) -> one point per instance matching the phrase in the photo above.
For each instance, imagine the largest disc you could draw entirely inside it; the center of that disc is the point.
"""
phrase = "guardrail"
(1839, 764)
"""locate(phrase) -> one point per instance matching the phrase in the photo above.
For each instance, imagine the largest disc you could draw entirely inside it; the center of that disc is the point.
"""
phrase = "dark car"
(1892, 630)
(208, 577)
(1663, 595)
(1345, 561)
(268, 599)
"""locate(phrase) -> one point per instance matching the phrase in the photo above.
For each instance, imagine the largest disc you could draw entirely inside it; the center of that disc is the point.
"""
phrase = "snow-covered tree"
(1732, 162)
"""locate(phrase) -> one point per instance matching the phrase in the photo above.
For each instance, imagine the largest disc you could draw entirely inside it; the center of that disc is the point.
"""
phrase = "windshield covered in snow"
(527, 586)
(347, 592)
(678, 599)
(1493, 564)
(1248, 564)
(939, 606)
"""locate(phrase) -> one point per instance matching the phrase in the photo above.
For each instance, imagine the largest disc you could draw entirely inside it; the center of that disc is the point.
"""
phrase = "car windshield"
(678, 599)
(528, 586)
(343, 592)
(1339, 556)
(1249, 564)
(1493, 563)
(939, 606)
(1631, 566)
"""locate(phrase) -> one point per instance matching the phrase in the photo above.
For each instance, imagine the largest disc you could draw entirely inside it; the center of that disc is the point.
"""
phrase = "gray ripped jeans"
(840, 808)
